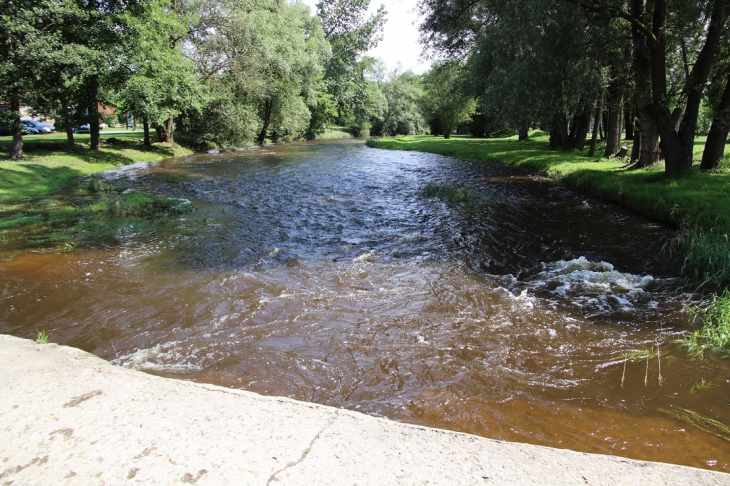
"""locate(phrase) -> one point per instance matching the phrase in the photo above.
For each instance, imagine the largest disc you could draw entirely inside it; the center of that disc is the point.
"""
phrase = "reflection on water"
(319, 272)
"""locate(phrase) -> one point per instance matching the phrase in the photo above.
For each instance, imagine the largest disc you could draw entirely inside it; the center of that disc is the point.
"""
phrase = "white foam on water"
(367, 257)
(592, 284)
(160, 358)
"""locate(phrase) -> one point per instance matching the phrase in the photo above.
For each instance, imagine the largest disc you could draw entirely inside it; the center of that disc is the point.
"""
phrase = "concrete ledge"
(68, 417)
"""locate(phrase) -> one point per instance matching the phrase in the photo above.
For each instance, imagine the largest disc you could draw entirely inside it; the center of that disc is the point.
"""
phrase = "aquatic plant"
(701, 386)
(702, 422)
(646, 355)
(714, 335)
(99, 210)
(706, 254)
(43, 337)
(454, 194)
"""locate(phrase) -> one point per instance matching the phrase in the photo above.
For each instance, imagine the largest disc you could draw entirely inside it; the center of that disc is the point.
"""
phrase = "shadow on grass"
(34, 180)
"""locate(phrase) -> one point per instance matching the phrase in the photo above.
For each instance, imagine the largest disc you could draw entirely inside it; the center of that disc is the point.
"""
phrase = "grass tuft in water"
(714, 335)
(701, 386)
(453, 193)
(706, 254)
(43, 337)
(702, 422)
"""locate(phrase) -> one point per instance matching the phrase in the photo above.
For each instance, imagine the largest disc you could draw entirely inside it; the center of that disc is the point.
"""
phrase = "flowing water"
(320, 272)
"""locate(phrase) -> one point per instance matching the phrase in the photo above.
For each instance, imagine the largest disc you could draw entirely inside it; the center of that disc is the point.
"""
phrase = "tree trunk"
(16, 149)
(268, 109)
(596, 124)
(158, 130)
(66, 114)
(555, 139)
(146, 127)
(715, 145)
(523, 132)
(164, 132)
(561, 123)
(677, 145)
(579, 129)
(636, 146)
(614, 105)
(94, 127)
(629, 118)
(169, 128)
(646, 140)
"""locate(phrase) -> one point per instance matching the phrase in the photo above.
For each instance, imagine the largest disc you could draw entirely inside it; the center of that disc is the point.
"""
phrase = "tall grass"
(714, 335)
(706, 254)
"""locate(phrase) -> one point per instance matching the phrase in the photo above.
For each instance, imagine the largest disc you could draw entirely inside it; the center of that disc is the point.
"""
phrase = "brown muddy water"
(319, 272)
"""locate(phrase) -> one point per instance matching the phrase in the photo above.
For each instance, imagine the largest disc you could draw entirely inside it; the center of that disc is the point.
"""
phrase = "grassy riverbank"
(47, 168)
(33, 211)
(697, 202)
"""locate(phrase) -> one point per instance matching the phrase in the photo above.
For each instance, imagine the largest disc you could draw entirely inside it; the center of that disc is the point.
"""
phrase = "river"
(320, 272)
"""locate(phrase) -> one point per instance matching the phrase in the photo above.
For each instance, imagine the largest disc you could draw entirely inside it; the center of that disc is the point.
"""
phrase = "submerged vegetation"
(94, 211)
(702, 422)
(453, 193)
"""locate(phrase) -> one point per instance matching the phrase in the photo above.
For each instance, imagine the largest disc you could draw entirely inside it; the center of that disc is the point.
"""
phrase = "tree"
(531, 61)
(351, 34)
(263, 66)
(401, 112)
(161, 82)
(15, 68)
(447, 95)
(696, 28)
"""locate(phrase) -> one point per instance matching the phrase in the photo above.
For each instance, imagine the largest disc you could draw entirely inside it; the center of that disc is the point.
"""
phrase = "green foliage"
(43, 337)
(706, 254)
(447, 96)
(351, 34)
(714, 335)
(454, 194)
(400, 113)
(223, 124)
(262, 66)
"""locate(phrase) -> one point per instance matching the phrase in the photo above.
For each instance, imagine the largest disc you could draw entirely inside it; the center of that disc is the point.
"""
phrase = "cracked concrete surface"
(67, 417)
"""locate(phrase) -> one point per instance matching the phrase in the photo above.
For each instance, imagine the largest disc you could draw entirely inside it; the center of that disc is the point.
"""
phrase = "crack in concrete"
(305, 453)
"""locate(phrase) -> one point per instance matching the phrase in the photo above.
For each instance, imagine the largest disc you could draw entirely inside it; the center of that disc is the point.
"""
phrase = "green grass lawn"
(47, 168)
(696, 197)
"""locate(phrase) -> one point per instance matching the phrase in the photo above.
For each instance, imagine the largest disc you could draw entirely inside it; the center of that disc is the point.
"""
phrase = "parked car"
(5, 129)
(39, 127)
(30, 128)
(82, 127)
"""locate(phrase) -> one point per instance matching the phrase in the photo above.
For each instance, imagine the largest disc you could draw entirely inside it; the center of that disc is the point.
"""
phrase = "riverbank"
(72, 418)
(47, 168)
(695, 198)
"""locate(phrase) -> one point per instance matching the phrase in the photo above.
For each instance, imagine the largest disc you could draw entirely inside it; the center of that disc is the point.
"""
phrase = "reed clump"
(706, 254)
(714, 335)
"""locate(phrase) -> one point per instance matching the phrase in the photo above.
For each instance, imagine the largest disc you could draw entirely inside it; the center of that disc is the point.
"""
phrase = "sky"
(400, 35)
